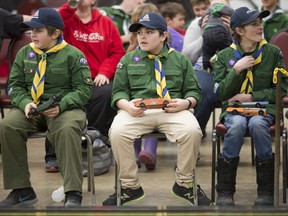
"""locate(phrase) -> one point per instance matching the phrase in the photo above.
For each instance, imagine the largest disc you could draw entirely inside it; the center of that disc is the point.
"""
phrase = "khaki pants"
(181, 128)
(64, 132)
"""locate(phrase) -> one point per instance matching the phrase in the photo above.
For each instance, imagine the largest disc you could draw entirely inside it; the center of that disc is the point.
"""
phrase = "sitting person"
(135, 80)
(244, 72)
(216, 35)
(62, 70)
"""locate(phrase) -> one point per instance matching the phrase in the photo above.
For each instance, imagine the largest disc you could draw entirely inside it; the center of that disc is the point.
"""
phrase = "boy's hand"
(28, 108)
(244, 63)
(176, 105)
(52, 112)
(226, 21)
(133, 110)
(241, 98)
(101, 80)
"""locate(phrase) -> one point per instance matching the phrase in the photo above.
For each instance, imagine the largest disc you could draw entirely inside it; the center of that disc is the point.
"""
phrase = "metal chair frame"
(118, 182)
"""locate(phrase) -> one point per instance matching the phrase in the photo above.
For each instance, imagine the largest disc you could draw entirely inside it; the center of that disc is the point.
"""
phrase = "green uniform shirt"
(274, 23)
(227, 83)
(67, 74)
(135, 76)
(119, 18)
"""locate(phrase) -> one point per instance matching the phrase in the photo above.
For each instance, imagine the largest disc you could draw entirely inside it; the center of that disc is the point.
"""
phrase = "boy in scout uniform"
(46, 67)
(244, 72)
(135, 80)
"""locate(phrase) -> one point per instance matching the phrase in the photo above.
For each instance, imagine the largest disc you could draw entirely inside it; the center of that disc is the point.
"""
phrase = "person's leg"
(137, 149)
(149, 153)
(100, 114)
(14, 129)
(65, 132)
(229, 159)
(124, 130)
(259, 130)
(51, 164)
(208, 101)
(183, 129)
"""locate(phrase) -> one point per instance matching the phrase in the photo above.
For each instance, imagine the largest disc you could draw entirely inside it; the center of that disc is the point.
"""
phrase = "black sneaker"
(73, 199)
(20, 198)
(127, 195)
(202, 198)
(187, 194)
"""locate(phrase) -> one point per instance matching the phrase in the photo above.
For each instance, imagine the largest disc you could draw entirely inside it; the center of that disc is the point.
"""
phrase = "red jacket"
(98, 39)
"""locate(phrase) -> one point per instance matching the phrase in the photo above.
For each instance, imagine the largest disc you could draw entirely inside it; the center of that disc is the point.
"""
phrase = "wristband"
(190, 104)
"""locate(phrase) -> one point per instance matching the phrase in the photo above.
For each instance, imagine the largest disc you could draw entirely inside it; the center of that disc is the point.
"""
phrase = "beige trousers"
(180, 128)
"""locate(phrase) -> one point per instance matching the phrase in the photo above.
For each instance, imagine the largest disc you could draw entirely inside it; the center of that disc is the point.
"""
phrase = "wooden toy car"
(257, 104)
(247, 111)
(152, 103)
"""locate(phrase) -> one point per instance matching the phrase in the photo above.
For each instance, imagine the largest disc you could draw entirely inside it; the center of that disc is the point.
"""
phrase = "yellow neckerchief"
(39, 77)
(161, 87)
(247, 85)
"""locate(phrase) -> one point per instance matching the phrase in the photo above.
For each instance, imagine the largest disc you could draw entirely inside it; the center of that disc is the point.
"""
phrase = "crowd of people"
(103, 60)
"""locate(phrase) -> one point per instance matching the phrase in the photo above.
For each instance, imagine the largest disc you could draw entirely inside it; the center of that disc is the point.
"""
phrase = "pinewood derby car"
(257, 104)
(247, 111)
(152, 103)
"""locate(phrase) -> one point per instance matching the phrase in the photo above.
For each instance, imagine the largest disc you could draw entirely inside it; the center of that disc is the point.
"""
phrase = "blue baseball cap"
(150, 20)
(244, 15)
(44, 17)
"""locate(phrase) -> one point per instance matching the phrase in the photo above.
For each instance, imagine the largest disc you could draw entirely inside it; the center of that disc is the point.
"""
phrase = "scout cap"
(44, 17)
(150, 20)
(244, 15)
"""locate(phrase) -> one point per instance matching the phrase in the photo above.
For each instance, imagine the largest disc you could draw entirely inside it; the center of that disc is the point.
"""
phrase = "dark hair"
(51, 30)
(171, 9)
(197, 2)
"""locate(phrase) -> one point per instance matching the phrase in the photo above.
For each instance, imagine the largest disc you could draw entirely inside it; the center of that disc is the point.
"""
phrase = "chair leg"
(284, 164)
(252, 152)
(90, 175)
(195, 194)
(214, 140)
(117, 185)
(2, 113)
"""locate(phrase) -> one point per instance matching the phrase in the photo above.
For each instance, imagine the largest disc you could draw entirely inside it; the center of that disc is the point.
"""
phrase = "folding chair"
(90, 174)
(219, 132)
(276, 130)
(118, 183)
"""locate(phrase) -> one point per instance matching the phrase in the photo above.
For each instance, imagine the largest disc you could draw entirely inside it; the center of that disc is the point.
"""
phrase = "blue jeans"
(258, 127)
(208, 99)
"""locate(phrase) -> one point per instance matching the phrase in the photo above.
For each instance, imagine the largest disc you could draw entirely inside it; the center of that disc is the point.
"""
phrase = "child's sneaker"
(19, 198)
(73, 199)
(52, 166)
(127, 195)
(187, 194)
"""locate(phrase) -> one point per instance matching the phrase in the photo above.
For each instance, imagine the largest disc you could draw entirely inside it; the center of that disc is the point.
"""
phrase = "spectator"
(192, 47)
(244, 72)
(199, 7)
(174, 14)
(120, 15)
(216, 35)
(98, 38)
(148, 155)
(67, 74)
(276, 21)
(131, 122)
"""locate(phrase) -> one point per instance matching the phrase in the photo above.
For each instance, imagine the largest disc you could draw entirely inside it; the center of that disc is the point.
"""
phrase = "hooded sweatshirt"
(98, 39)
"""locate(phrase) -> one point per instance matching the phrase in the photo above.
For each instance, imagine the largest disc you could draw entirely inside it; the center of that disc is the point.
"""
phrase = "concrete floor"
(156, 184)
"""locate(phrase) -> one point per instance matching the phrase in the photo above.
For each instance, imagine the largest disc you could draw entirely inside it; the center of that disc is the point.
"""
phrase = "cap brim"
(261, 15)
(136, 26)
(32, 24)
